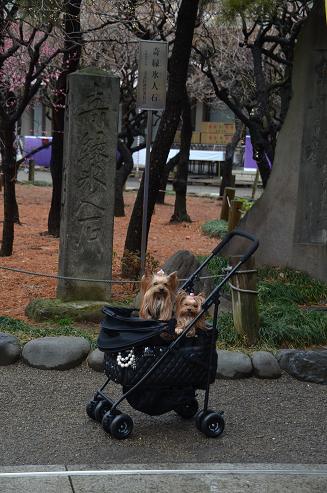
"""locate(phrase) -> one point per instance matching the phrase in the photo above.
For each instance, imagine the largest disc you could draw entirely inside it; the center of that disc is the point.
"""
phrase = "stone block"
(283, 356)
(54, 309)
(233, 364)
(265, 365)
(310, 366)
(56, 353)
(10, 349)
(95, 360)
(185, 263)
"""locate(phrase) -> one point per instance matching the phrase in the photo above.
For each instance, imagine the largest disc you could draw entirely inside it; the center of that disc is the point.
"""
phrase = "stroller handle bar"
(243, 234)
(255, 243)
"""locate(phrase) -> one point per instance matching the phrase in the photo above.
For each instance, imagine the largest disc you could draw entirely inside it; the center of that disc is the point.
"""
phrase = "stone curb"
(65, 352)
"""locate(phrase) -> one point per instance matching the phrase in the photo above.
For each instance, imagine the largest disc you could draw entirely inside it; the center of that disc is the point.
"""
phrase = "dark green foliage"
(284, 295)
(227, 335)
(246, 204)
(216, 266)
(216, 228)
(287, 285)
(26, 332)
(288, 325)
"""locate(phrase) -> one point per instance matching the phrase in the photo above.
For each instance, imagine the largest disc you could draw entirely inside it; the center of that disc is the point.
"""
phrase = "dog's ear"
(173, 281)
(145, 283)
(180, 296)
(200, 298)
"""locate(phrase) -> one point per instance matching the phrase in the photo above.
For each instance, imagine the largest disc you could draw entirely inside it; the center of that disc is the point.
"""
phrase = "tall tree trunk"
(8, 153)
(227, 166)
(71, 58)
(7, 145)
(164, 178)
(124, 168)
(178, 67)
(262, 126)
(180, 181)
(263, 153)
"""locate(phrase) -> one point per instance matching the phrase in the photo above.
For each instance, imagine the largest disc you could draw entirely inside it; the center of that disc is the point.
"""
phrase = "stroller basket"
(186, 365)
(159, 374)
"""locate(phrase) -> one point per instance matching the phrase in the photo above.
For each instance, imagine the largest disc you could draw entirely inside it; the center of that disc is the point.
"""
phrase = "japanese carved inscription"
(311, 218)
(88, 188)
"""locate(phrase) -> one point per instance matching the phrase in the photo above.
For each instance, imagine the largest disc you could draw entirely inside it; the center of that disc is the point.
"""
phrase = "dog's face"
(188, 305)
(158, 295)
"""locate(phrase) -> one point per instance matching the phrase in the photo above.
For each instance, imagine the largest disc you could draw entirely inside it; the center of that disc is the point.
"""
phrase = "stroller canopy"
(122, 332)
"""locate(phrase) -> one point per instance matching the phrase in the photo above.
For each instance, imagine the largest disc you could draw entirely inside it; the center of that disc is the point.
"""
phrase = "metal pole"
(146, 190)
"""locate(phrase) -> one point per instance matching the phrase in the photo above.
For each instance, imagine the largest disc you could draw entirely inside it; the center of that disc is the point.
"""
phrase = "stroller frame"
(105, 410)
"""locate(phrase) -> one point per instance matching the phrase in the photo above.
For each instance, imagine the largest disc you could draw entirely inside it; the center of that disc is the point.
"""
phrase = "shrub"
(215, 229)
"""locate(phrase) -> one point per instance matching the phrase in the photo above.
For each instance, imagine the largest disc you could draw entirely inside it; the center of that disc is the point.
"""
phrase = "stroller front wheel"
(199, 417)
(212, 424)
(121, 426)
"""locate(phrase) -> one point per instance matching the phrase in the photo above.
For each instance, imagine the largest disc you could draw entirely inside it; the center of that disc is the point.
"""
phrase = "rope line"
(235, 288)
(67, 278)
(238, 271)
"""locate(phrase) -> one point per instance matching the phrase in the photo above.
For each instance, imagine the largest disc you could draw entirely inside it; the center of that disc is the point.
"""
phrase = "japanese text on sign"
(151, 90)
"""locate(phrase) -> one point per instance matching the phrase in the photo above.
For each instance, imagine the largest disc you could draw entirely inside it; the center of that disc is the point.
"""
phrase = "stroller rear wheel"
(187, 409)
(91, 405)
(90, 408)
(212, 424)
(100, 410)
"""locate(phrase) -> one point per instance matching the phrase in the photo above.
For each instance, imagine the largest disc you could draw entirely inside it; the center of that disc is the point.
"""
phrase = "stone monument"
(86, 229)
(290, 219)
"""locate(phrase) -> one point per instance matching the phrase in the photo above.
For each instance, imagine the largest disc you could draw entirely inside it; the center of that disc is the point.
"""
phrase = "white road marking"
(305, 471)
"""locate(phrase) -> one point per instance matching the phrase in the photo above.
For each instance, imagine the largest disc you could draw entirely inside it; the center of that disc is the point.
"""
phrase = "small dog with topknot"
(188, 306)
(158, 292)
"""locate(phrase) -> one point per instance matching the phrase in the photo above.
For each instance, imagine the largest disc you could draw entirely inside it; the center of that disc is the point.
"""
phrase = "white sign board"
(152, 75)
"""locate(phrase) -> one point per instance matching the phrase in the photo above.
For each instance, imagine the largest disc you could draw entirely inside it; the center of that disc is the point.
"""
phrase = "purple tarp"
(249, 162)
(41, 158)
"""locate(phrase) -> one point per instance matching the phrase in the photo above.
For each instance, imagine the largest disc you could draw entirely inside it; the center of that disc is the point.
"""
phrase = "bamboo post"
(31, 170)
(245, 300)
(235, 214)
(229, 194)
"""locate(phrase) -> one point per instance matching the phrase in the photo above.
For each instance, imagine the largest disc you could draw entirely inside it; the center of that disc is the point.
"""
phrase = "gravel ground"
(43, 421)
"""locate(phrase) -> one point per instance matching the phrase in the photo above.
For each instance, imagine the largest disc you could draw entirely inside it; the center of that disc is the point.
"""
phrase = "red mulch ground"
(39, 253)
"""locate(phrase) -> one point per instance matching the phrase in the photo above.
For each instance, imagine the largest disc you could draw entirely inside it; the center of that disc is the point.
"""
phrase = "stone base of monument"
(41, 310)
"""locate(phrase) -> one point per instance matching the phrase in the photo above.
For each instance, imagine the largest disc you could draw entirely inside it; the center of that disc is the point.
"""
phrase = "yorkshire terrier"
(158, 293)
(188, 306)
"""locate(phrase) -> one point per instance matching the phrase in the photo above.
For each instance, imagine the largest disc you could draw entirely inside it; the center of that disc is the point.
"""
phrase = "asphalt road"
(43, 421)
(197, 185)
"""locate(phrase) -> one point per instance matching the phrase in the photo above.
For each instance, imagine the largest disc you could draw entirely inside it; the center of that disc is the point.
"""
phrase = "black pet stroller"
(158, 375)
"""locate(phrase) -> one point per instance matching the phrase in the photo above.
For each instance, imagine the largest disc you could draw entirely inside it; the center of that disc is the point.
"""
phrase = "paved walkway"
(43, 421)
(279, 424)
